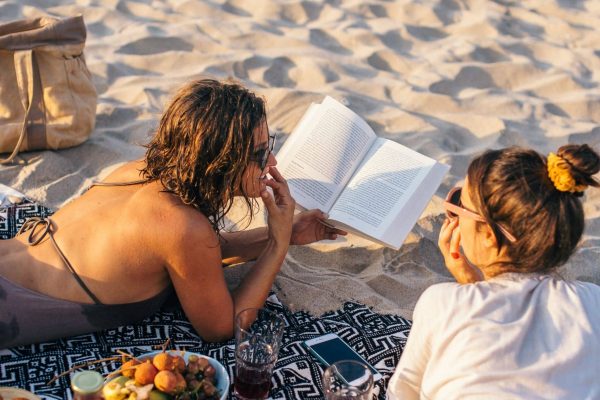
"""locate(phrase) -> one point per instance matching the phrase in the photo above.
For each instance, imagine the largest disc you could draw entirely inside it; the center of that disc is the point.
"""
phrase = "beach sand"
(448, 78)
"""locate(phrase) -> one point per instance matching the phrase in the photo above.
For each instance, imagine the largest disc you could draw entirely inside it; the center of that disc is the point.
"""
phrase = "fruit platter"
(168, 375)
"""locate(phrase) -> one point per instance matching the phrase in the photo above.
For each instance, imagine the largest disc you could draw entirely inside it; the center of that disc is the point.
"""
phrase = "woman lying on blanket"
(510, 327)
(112, 256)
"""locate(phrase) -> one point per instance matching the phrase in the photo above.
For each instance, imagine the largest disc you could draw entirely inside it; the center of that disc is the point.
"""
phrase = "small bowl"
(221, 375)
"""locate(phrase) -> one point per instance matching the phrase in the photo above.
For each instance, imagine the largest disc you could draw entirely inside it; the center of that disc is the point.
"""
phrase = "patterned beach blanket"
(378, 338)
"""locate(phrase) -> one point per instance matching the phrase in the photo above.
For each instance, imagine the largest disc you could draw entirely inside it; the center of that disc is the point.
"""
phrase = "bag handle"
(14, 153)
(23, 60)
(29, 85)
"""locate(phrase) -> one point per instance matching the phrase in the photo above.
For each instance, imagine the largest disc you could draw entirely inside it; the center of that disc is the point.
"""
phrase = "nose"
(272, 161)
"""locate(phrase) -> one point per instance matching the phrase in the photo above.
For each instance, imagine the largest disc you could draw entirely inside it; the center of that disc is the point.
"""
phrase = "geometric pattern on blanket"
(12, 217)
(378, 338)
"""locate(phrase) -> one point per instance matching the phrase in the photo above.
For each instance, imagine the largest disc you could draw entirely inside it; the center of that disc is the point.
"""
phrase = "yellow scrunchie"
(560, 175)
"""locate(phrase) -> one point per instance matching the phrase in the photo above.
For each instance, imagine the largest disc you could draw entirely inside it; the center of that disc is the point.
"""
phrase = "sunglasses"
(455, 209)
(261, 156)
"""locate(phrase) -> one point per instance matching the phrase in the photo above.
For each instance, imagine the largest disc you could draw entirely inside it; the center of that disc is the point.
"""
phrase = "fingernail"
(456, 256)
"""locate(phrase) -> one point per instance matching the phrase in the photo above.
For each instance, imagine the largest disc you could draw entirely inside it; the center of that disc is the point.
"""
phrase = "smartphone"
(330, 348)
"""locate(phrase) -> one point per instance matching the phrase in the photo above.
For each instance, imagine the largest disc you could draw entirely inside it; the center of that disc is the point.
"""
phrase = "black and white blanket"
(378, 338)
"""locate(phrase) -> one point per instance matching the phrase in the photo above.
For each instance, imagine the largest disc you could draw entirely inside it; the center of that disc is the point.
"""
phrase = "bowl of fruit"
(168, 375)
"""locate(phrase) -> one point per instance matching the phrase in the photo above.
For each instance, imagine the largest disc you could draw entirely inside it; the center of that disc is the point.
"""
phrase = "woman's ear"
(489, 237)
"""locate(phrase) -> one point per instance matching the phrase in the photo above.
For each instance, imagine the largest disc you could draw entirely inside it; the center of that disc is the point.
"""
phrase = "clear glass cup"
(348, 379)
(258, 334)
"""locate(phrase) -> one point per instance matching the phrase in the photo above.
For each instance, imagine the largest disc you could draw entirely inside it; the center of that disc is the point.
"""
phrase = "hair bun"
(573, 167)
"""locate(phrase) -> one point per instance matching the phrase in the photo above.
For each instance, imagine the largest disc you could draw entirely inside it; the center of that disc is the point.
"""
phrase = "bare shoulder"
(185, 233)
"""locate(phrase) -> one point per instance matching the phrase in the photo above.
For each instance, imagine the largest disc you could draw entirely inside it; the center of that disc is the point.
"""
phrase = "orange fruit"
(166, 381)
(128, 368)
(163, 362)
(145, 373)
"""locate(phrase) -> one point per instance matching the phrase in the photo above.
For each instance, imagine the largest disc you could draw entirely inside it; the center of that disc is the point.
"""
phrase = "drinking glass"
(258, 334)
(348, 379)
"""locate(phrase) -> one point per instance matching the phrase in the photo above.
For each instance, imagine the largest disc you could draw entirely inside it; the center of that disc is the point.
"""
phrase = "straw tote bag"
(47, 98)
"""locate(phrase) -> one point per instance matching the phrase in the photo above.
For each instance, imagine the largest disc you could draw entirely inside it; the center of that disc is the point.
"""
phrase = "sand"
(448, 78)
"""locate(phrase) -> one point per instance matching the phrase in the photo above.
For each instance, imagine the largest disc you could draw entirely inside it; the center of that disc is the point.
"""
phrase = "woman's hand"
(309, 227)
(280, 207)
(449, 244)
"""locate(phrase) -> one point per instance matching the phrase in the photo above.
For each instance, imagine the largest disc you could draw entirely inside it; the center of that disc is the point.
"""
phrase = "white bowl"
(221, 376)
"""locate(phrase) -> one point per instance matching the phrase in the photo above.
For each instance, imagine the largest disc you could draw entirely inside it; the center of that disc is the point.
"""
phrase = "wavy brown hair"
(203, 144)
(511, 187)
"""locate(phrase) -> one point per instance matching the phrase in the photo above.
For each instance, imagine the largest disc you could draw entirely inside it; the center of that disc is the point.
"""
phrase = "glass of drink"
(258, 334)
(348, 379)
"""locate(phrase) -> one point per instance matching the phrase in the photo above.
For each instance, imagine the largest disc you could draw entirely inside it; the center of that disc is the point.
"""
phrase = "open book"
(369, 186)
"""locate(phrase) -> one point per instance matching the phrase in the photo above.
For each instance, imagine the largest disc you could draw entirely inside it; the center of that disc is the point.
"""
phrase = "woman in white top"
(510, 328)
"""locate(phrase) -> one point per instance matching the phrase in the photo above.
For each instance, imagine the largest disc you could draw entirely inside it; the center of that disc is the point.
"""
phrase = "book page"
(381, 187)
(322, 153)
(406, 218)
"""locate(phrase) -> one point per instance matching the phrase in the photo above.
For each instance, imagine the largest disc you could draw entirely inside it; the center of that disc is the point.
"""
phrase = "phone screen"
(336, 349)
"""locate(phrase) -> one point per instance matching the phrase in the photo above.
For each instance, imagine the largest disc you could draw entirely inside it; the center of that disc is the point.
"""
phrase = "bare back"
(114, 236)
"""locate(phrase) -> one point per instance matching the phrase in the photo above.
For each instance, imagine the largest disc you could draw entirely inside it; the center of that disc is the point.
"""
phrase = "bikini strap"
(46, 225)
(130, 183)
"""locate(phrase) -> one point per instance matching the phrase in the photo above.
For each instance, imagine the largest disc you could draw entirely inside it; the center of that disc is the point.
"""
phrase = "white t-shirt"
(515, 336)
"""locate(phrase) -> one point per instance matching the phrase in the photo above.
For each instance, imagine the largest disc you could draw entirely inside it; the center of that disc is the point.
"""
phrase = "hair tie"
(559, 173)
